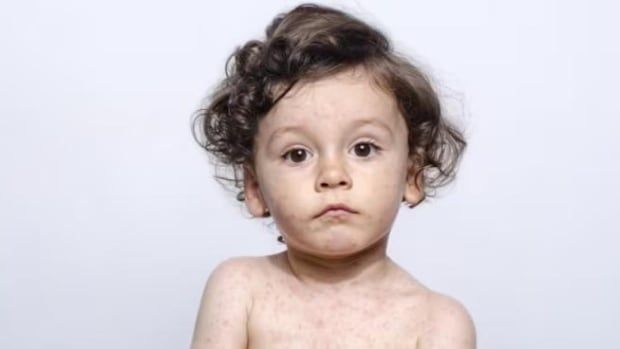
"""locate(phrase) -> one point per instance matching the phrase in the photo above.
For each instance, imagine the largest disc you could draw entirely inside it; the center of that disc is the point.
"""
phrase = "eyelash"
(374, 147)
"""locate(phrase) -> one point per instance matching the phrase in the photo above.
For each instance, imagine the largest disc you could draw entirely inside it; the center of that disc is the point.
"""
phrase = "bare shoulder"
(448, 324)
(226, 304)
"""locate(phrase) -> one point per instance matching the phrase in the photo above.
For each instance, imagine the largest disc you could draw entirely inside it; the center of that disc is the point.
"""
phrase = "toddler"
(327, 131)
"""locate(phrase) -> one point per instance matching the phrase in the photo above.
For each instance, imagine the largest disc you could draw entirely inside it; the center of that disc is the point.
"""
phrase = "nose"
(332, 174)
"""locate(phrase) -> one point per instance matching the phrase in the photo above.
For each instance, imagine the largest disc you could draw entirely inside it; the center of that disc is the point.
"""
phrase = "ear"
(414, 188)
(253, 197)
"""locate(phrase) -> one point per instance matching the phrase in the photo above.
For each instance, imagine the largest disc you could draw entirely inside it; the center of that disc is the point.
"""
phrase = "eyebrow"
(356, 124)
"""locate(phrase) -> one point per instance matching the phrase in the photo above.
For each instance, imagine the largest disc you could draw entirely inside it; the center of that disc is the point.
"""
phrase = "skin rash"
(331, 166)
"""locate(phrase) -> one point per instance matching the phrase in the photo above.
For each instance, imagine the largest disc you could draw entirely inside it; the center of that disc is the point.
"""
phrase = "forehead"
(347, 96)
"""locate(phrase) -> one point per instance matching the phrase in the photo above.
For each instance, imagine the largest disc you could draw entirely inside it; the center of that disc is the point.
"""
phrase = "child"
(327, 131)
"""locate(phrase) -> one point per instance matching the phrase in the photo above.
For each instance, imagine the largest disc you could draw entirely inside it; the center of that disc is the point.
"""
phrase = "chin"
(339, 246)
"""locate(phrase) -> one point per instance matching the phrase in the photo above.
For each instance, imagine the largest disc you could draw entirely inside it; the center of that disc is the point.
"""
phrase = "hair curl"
(311, 42)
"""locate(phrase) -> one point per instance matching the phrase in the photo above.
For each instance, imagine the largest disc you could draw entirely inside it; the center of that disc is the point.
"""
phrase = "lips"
(336, 209)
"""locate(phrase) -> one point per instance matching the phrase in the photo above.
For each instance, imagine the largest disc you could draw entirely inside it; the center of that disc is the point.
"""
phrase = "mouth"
(336, 210)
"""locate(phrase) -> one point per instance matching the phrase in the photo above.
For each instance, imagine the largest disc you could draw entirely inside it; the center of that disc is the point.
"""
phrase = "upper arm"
(448, 325)
(224, 308)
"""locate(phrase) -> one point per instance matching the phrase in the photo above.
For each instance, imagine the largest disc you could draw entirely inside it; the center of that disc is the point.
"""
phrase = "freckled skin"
(388, 314)
(328, 114)
(338, 282)
(333, 286)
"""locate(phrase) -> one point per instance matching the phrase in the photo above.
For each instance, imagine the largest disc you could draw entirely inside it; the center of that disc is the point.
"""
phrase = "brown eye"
(296, 155)
(363, 149)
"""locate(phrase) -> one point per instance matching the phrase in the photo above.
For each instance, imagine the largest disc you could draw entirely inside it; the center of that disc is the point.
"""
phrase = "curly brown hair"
(308, 43)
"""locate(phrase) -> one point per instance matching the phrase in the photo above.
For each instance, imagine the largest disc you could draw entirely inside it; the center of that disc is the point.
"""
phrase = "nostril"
(341, 183)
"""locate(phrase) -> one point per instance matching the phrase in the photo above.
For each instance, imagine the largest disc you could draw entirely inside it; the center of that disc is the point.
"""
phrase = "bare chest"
(283, 317)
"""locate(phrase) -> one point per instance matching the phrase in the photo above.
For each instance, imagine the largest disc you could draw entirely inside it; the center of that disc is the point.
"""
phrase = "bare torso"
(286, 314)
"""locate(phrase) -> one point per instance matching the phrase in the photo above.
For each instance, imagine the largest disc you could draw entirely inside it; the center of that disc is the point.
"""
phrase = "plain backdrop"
(110, 220)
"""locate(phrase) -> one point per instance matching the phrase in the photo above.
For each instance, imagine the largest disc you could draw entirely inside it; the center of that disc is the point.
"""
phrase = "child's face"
(316, 148)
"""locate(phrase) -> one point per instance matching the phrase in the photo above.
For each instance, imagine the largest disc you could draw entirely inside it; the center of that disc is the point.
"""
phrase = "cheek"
(282, 202)
(284, 199)
(387, 204)
(388, 179)
(384, 190)
(289, 212)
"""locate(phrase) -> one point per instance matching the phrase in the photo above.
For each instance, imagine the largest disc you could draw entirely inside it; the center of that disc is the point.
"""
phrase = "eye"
(296, 155)
(363, 149)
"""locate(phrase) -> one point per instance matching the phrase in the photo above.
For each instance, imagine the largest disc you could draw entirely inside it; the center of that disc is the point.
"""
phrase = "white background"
(110, 221)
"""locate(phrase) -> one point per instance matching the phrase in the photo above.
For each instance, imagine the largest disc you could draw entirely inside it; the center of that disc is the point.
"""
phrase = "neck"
(329, 274)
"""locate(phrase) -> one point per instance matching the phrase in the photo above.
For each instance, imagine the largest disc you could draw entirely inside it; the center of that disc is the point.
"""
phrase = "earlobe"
(253, 196)
(414, 188)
